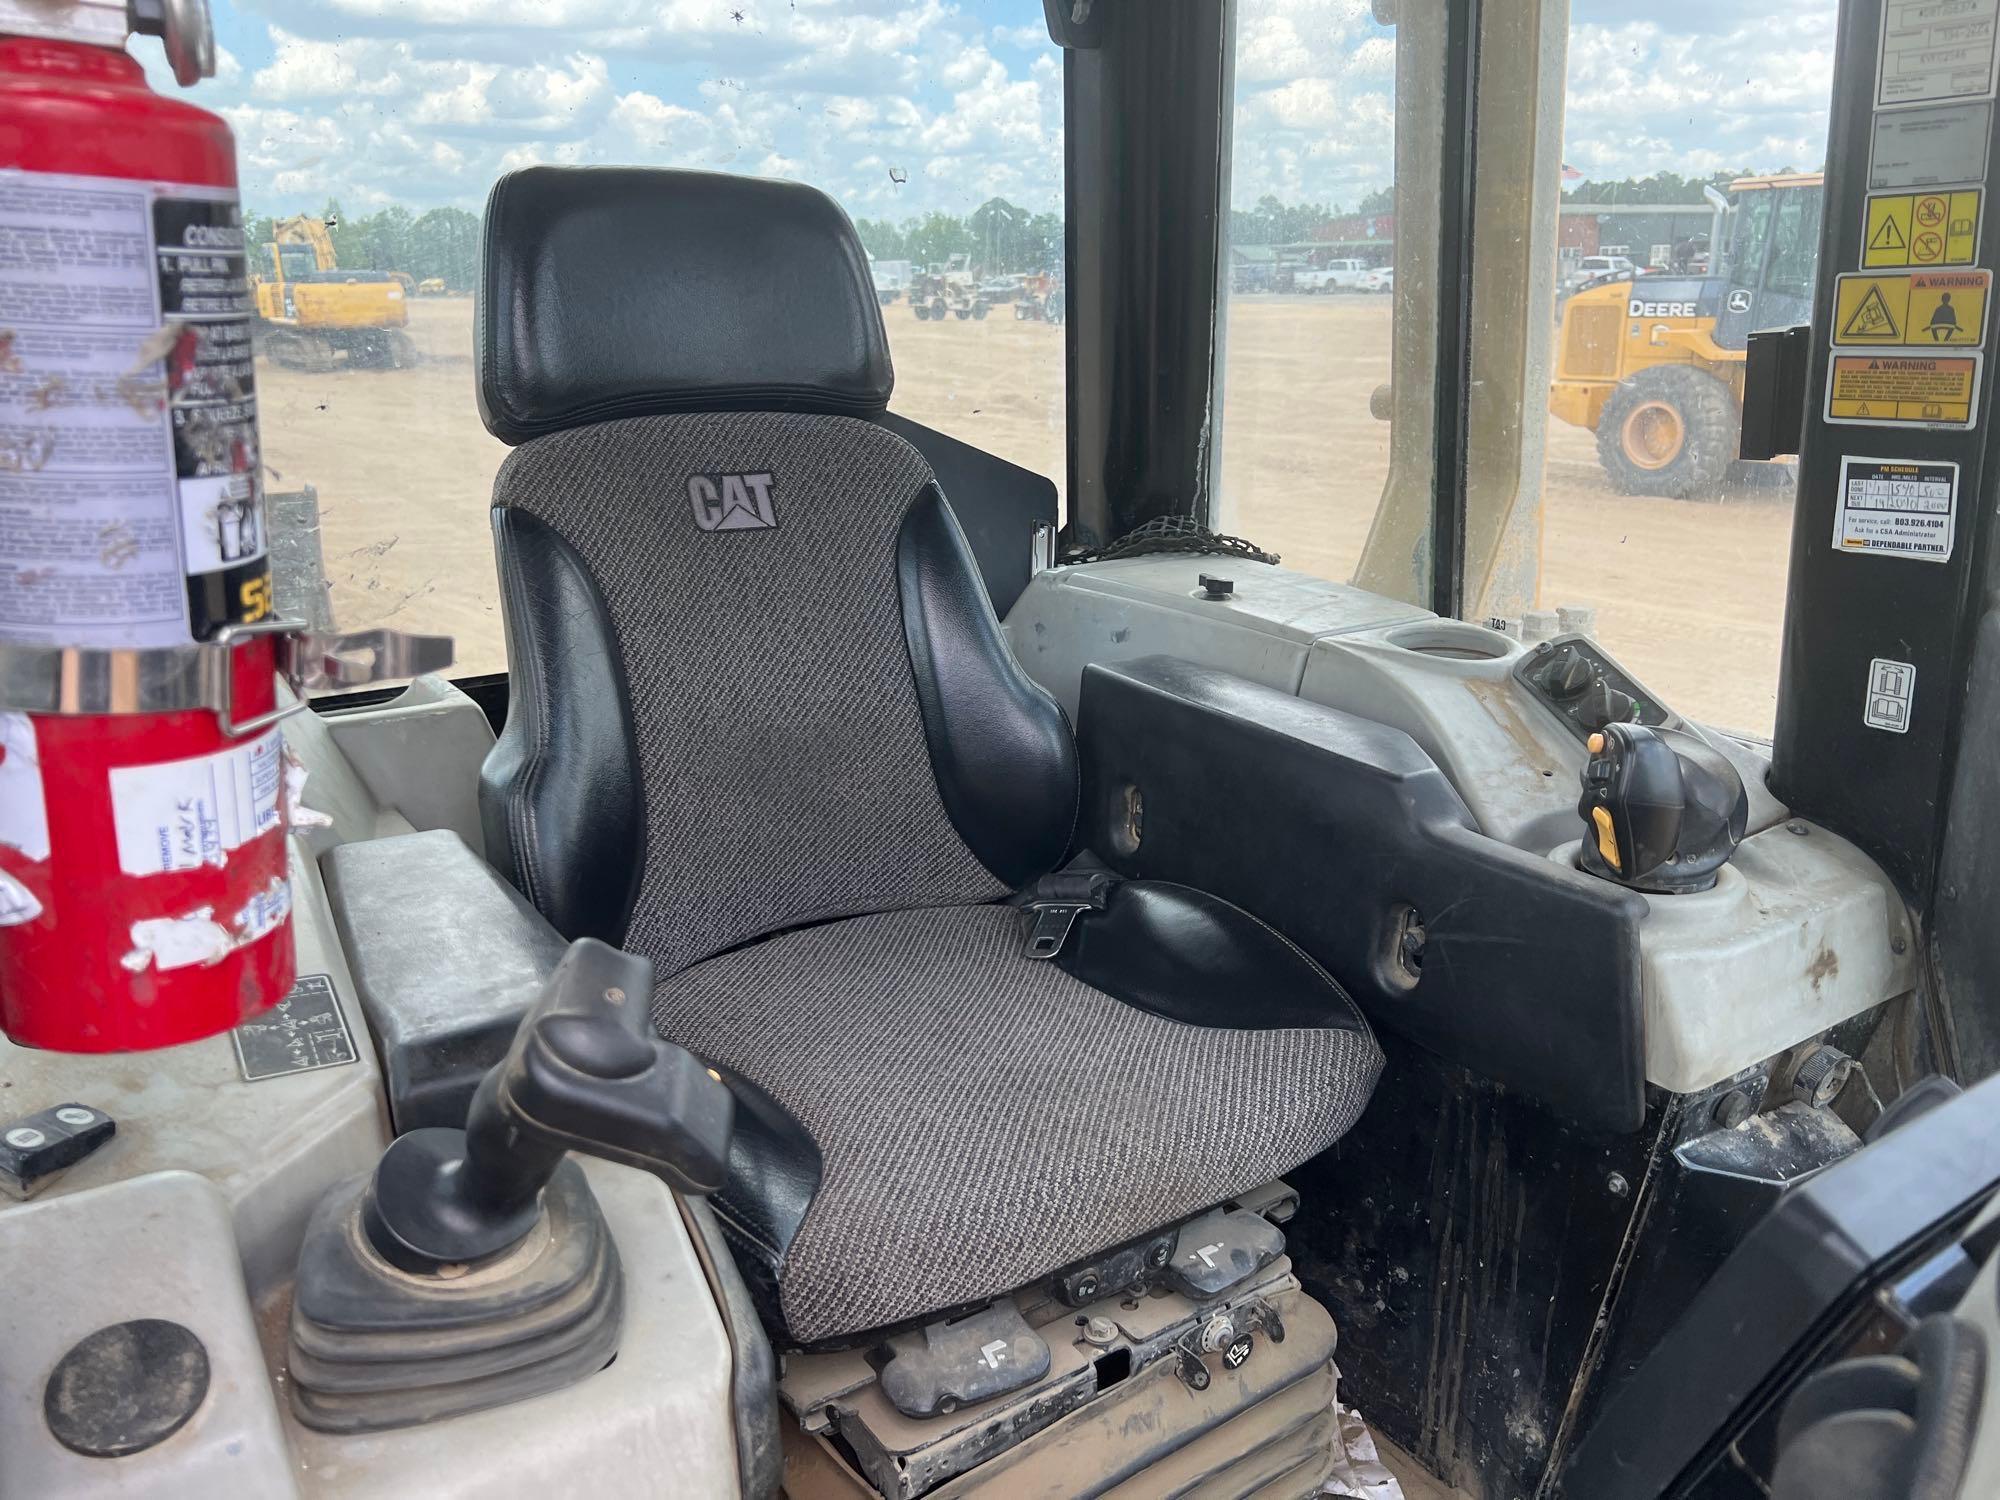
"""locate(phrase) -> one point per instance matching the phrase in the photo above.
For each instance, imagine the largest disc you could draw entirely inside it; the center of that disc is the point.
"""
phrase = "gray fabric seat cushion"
(984, 1119)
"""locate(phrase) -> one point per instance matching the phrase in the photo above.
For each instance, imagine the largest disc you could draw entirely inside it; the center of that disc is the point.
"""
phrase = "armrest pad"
(446, 958)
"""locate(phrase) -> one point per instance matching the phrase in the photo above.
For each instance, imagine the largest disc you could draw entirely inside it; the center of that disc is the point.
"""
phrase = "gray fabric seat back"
(757, 683)
(785, 774)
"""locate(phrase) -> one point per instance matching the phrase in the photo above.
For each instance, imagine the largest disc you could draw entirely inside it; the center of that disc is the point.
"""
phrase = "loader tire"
(1671, 431)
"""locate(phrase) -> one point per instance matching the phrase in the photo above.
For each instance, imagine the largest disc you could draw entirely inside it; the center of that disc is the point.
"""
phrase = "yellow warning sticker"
(1910, 387)
(1922, 229)
(1914, 307)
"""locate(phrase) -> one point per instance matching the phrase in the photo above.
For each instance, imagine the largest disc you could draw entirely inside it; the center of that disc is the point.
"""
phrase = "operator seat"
(764, 730)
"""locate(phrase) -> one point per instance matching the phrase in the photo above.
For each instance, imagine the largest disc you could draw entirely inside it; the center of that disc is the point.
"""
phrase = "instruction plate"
(1902, 388)
(1922, 148)
(1929, 309)
(1936, 50)
(303, 1032)
(1922, 229)
(1896, 507)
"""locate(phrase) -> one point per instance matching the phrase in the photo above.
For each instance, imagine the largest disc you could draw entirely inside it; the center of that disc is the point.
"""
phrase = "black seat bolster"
(1000, 746)
(1192, 957)
(559, 795)
(774, 1170)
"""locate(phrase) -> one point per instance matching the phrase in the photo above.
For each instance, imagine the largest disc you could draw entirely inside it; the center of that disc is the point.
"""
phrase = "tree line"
(998, 238)
(1661, 187)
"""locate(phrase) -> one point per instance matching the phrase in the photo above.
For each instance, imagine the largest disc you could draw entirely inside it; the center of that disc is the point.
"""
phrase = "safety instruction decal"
(129, 465)
(189, 813)
(1902, 387)
(1896, 507)
(1922, 229)
(1925, 308)
(302, 1033)
(1926, 148)
(1936, 50)
(1892, 690)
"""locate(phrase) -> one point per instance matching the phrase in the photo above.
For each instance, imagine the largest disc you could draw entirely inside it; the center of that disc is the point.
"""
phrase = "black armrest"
(1346, 836)
(446, 958)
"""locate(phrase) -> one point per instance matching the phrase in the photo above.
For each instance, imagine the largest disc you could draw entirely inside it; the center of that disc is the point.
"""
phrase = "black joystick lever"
(389, 1328)
(1662, 810)
(585, 1073)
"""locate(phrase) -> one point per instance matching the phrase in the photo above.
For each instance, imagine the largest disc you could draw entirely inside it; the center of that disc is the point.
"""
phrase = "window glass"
(369, 132)
(1795, 243)
(1329, 289)
(1751, 221)
(1646, 518)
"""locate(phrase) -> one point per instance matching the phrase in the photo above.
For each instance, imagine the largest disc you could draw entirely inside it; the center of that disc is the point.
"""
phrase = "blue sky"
(424, 102)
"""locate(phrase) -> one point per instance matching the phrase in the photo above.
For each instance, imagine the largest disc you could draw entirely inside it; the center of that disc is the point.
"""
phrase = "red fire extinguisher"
(144, 898)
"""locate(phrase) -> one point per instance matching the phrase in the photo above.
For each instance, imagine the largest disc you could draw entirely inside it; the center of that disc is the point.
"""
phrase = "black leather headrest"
(624, 291)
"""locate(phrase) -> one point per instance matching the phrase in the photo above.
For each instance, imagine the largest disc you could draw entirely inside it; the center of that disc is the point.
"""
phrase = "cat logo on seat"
(732, 502)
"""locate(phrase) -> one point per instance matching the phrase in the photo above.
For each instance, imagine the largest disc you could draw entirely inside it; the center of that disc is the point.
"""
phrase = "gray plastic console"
(447, 957)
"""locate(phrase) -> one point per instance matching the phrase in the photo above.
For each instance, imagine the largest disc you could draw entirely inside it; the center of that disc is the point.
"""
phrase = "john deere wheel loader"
(1654, 364)
(312, 315)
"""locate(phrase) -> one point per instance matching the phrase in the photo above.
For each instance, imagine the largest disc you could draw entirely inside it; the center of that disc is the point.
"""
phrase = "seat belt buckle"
(1058, 901)
(1052, 925)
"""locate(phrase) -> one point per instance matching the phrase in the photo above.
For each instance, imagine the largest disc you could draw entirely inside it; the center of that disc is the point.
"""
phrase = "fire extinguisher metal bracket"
(142, 680)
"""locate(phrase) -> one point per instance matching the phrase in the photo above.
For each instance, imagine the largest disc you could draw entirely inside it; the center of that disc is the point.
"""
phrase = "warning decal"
(1922, 229)
(1918, 307)
(1907, 387)
(1895, 507)
(1869, 319)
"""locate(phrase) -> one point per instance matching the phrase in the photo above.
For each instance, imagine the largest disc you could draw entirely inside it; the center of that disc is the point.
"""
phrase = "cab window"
(369, 136)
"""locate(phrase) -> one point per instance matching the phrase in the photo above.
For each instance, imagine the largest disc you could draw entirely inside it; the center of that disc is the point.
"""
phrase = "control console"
(1575, 680)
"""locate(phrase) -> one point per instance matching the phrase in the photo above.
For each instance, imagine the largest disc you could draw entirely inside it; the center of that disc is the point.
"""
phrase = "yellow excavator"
(314, 316)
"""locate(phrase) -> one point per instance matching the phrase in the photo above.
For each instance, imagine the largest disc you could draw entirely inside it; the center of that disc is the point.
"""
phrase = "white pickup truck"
(1334, 276)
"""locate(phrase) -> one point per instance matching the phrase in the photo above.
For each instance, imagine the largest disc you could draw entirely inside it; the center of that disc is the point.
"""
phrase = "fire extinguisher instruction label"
(189, 813)
(131, 504)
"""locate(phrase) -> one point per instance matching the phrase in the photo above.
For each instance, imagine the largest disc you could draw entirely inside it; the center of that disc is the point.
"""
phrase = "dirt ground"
(1689, 595)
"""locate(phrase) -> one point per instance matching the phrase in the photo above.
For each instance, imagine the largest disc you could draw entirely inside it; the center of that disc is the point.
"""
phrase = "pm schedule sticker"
(1896, 507)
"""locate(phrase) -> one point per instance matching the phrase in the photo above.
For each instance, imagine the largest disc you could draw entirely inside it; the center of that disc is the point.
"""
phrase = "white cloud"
(1027, 38)
(425, 101)
(1699, 87)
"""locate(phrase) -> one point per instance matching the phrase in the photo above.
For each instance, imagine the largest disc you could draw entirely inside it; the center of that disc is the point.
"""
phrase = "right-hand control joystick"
(474, 1266)
(1662, 810)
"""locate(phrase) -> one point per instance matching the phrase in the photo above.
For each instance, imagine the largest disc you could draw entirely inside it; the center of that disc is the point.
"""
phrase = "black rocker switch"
(585, 1073)
(1662, 810)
